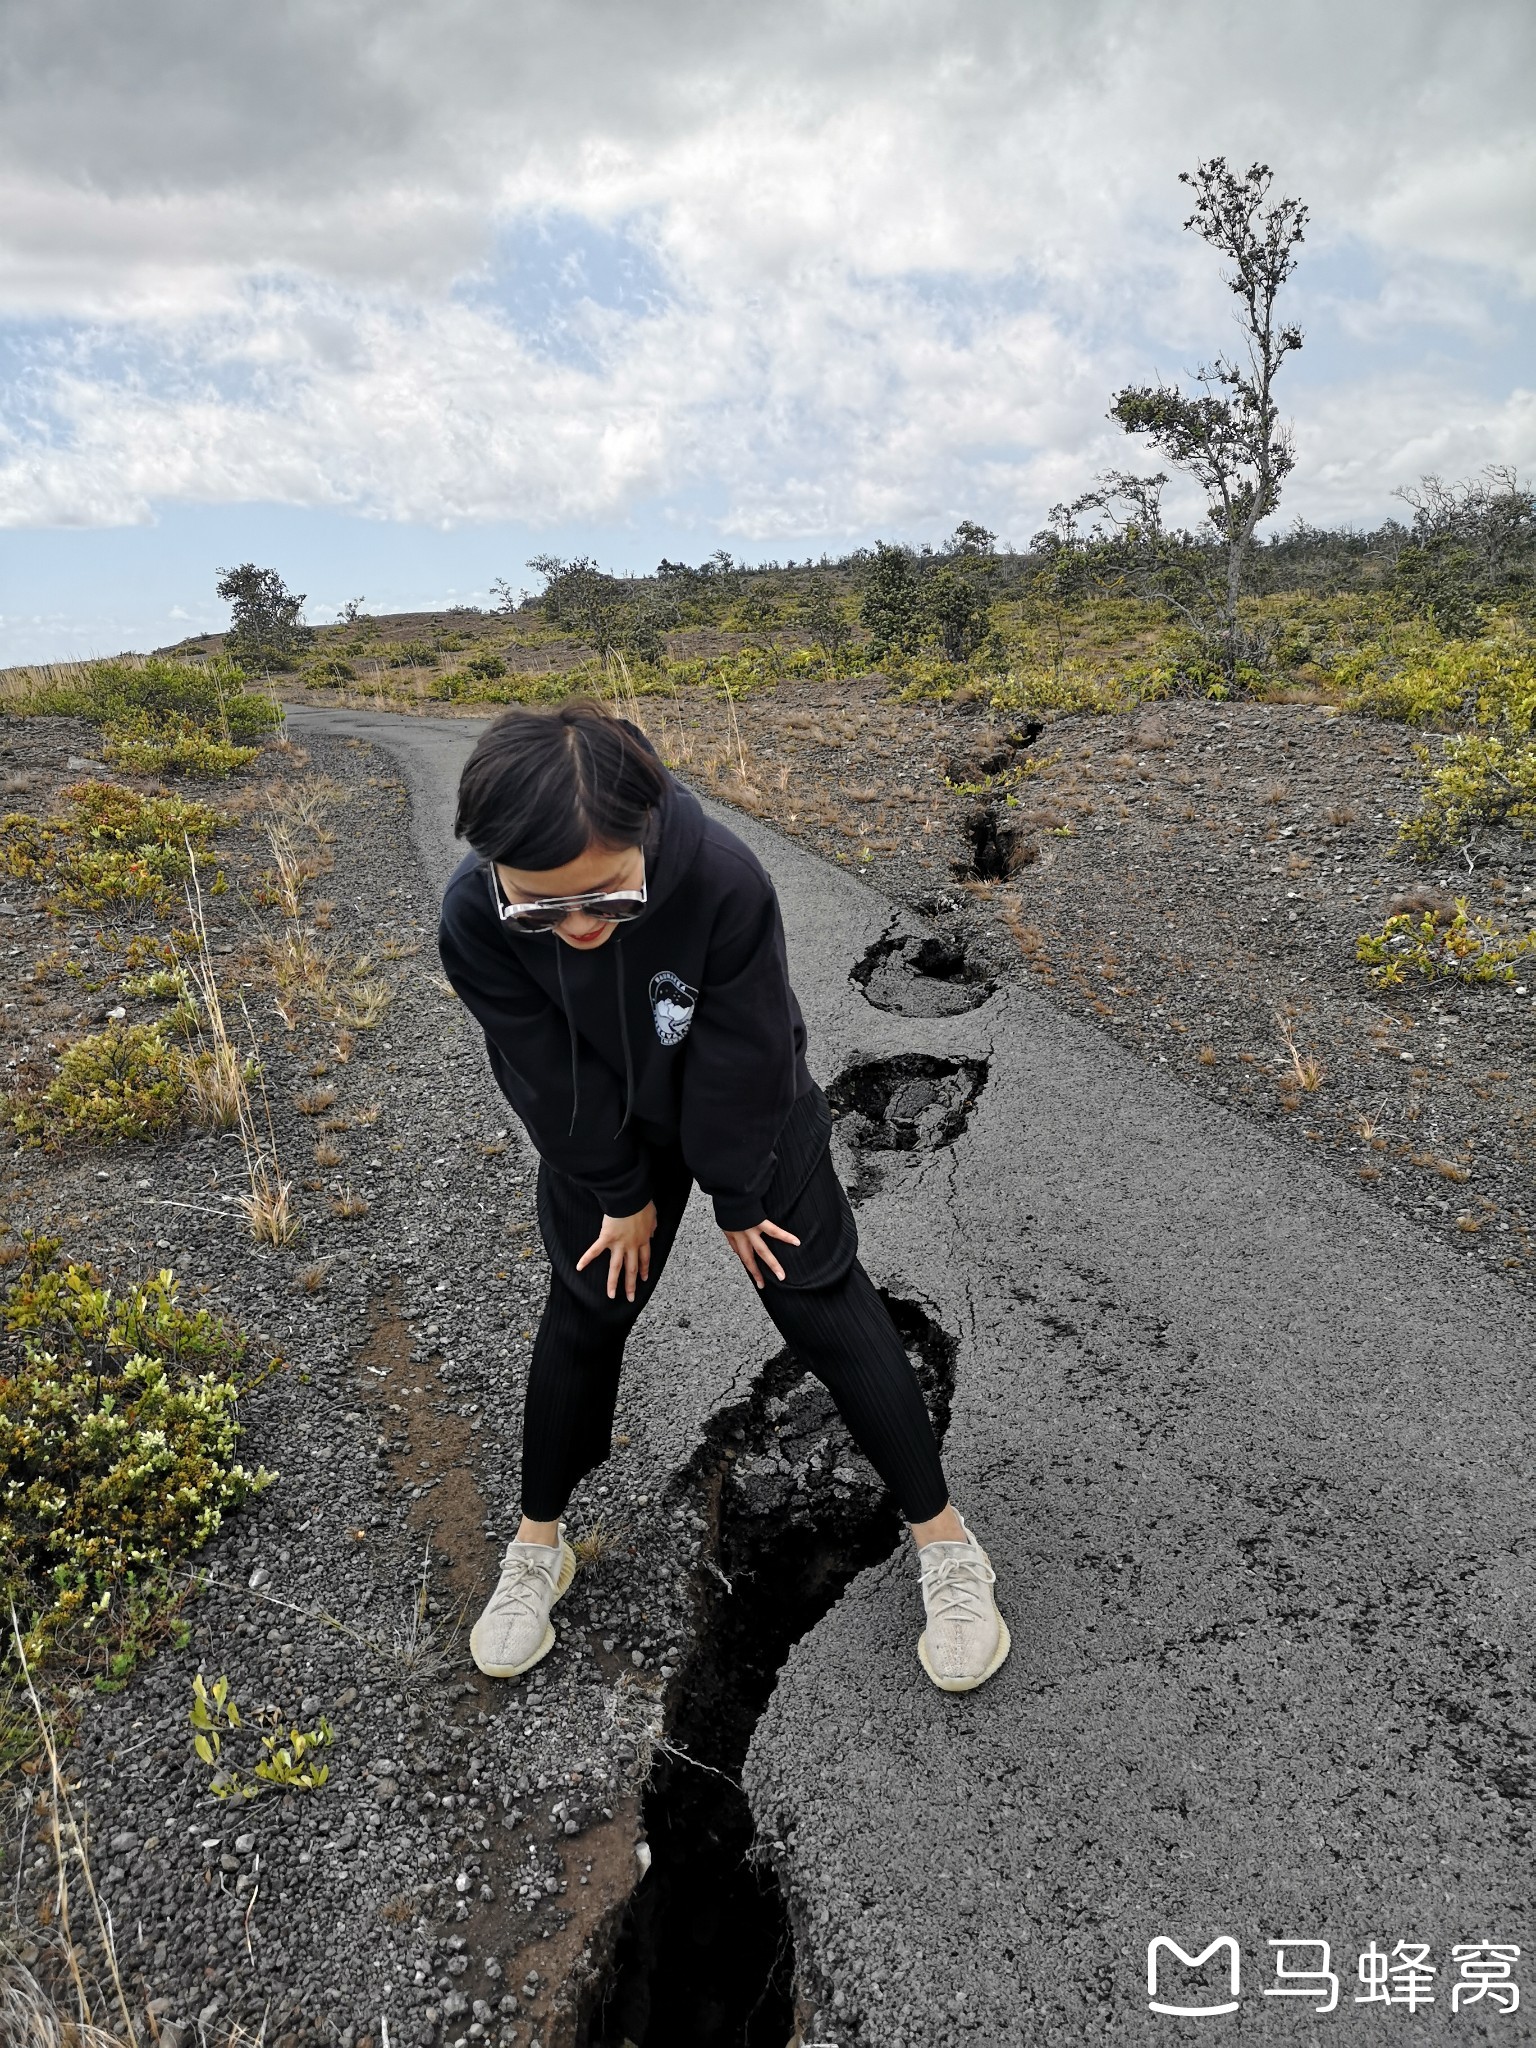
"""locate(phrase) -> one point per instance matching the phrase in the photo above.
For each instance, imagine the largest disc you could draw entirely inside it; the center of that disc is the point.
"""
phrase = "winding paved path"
(1253, 1460)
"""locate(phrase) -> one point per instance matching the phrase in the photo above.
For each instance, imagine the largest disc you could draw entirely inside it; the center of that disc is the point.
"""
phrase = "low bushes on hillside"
(158, 716)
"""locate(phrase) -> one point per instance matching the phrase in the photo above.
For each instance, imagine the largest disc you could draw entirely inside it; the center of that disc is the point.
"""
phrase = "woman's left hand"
(750, 1246)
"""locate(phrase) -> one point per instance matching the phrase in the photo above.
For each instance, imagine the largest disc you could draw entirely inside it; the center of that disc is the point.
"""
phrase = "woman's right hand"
(627, 1241)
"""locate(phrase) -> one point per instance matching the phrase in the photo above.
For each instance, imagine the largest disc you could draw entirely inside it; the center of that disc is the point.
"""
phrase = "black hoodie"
(681, 1028)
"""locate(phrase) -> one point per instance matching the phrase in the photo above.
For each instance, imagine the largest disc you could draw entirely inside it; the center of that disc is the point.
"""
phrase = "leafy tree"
(1471, 544)
(956, 610)
(265, 627)
(583, 599)
(970, 539)
(1228, 435)
(606, 611)
(892, 606)
(645, 623)
(822, 618)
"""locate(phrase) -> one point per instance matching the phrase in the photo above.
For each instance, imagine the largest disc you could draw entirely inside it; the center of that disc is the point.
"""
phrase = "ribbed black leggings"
(825, 1308)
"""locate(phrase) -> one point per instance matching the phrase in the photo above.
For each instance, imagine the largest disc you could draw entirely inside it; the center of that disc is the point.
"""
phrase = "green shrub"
(178, 748)
(110, 847)
(408, 654)
(153, 694)
(1465, 948)
(117, 1448)
(1480, 781)
(487, 665)
(125, 1083)
(1421, 678)
(329, 669)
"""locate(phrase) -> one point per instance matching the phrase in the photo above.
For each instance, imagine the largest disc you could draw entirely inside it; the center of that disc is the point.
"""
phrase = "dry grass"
(1274, 792)
(315, 1101)
(1028, 937)
(350, 1205)
(1448, 1169)
(1305, 1073)
(218, 1080)
(300, 971)
(328, 1155)
(307, 801)
(594, 1544)
(288, 875)
(367, 1003)
(30, 2015)
(267, 1205)
(313, 1278)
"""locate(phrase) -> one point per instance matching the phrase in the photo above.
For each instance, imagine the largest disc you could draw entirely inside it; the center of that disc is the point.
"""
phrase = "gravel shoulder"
(467, 1861)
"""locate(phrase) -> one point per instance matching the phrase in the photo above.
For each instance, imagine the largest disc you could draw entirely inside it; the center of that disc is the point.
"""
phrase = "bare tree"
(1228, 435)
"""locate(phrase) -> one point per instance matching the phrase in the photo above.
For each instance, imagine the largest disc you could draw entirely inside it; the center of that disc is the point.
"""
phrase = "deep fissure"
(793, 1513)
(995, 846)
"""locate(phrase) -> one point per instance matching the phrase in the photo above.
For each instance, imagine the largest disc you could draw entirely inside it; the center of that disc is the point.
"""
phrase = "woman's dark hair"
(542, 786)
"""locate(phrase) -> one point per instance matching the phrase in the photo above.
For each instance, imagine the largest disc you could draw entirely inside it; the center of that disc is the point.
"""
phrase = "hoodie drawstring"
(565, 1007)
(629, 1063)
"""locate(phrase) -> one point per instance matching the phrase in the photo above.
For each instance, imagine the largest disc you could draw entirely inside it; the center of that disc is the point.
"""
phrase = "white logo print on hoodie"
(672, 1002)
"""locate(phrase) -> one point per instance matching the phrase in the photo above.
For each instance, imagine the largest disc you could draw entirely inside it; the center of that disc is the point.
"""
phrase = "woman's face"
(599, 868)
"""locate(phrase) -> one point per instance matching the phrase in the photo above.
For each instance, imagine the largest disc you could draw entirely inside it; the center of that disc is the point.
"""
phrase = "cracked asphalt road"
(1252, 1459)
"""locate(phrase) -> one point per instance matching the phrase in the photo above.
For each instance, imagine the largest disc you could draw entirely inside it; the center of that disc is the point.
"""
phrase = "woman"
(625, 957)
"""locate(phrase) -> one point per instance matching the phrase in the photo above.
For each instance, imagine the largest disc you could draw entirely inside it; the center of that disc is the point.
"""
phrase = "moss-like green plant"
(1464, 948)
(124, 1083)
(160, 984)
(117, 1447)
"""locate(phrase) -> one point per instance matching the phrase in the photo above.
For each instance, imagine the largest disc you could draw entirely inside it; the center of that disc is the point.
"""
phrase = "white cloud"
(904, 255)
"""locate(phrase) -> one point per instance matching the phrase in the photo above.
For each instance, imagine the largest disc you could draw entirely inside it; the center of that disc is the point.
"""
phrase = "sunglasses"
(613, 906)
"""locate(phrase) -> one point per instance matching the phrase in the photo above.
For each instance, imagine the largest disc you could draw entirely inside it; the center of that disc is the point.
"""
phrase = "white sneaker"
(514, 1630)
(966, 1638)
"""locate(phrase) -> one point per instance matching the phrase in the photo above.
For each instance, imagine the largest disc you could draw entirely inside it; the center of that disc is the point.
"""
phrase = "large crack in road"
(1251, 1460)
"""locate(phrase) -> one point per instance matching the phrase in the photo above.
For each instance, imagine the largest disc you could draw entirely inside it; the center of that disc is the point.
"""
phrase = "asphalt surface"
(1252, 1460)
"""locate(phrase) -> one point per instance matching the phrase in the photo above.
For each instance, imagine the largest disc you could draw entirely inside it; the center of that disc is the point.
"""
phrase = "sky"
(392, 295)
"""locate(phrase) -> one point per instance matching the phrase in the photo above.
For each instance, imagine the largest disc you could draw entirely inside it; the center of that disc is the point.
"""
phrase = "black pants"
(825, 1308)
